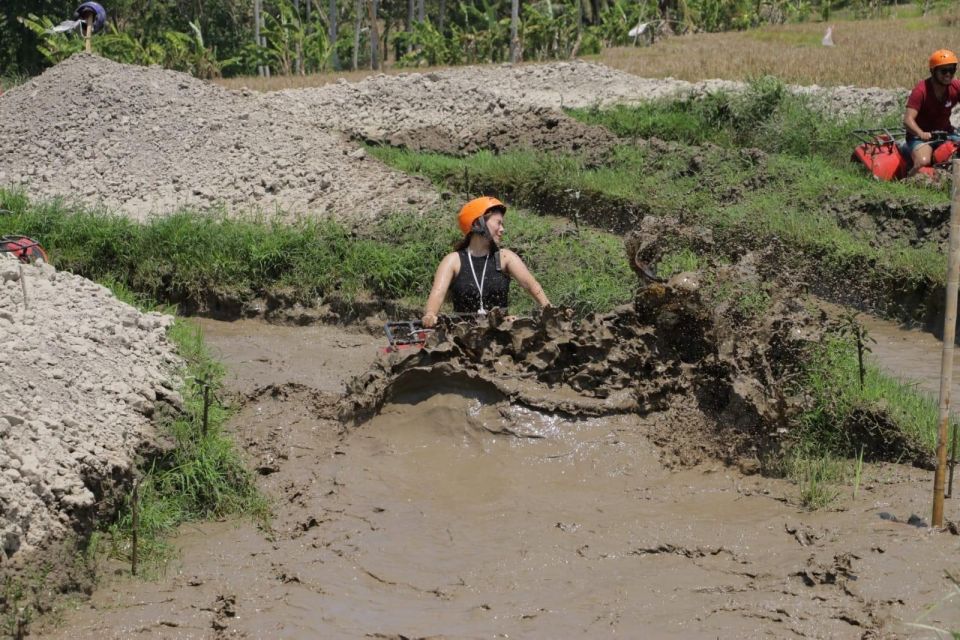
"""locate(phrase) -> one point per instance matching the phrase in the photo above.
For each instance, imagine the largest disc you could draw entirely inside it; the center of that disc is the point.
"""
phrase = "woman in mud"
(479, 271)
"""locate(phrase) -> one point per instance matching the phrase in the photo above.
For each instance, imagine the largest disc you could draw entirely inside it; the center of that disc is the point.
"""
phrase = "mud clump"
(82, 376)
(677, 349)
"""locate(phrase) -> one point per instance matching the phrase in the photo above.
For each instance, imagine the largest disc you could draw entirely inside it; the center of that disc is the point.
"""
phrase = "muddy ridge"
(674, 349)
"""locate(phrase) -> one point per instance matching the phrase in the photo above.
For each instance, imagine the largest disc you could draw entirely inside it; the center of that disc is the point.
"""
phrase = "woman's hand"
(429, 320)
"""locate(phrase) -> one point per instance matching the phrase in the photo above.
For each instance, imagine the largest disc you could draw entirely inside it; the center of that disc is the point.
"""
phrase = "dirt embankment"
(82, 375)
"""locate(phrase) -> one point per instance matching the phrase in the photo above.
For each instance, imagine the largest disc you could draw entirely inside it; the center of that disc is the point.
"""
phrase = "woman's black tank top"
(466, 293)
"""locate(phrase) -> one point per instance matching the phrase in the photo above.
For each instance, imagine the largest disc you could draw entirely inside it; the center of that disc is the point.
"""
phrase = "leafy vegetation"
(301, 36)
(765, 116)
(831, 441)
(746, 200)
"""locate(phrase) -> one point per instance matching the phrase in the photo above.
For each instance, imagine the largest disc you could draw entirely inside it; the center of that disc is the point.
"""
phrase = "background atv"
(883, 152)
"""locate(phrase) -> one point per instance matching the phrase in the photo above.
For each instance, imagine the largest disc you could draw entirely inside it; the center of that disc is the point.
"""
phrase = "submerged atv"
(884, 153)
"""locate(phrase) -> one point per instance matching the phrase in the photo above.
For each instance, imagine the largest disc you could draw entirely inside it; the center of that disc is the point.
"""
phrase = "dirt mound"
(681, 346)
(147, 140)
(82, 372)
(454, 112)
(579, 84)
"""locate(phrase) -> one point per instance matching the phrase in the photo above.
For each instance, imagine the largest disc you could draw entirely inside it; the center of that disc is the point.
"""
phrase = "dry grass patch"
(889, 52)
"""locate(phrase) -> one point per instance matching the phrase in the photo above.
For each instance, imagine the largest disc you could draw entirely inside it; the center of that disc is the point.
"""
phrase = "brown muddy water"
(453, 514)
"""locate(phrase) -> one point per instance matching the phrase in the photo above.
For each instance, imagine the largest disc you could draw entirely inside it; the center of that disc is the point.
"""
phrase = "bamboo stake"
(88, 38)
(256, 31)
(206, 405)
(949, 335)
(23, 286)
(134, 526)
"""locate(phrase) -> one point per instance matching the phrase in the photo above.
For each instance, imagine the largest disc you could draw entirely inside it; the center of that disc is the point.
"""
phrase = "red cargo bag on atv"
(25, 249)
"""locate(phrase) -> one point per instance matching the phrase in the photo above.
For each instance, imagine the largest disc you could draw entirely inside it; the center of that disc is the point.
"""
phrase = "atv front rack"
(406, 333)
(411, 334)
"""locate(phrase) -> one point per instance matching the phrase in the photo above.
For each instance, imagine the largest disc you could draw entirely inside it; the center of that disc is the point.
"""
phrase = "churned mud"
(457, 513)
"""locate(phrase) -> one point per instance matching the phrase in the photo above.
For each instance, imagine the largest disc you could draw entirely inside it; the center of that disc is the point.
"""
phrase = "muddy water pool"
(454, 514)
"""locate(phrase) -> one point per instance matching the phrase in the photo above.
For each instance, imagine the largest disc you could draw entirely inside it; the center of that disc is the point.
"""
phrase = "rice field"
(888, 52)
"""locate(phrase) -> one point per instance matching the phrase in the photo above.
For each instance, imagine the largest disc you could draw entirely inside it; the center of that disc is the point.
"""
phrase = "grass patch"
(201, 261)
(678, 262)
(765, 116)
(746, 201)
(202, 477)
(847, 423)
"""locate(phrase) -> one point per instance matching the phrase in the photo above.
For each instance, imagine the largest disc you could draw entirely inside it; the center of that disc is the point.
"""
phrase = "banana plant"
(54, 47)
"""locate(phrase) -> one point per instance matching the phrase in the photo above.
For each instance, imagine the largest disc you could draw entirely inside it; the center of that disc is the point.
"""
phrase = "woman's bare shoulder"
(451, 260)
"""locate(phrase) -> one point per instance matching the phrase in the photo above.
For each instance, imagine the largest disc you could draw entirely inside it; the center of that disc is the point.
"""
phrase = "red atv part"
(882, 157)
(883, 154)
(25, 249)
(405, 335)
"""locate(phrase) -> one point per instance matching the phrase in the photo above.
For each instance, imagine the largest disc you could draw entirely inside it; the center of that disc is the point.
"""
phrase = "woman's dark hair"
(460, 245)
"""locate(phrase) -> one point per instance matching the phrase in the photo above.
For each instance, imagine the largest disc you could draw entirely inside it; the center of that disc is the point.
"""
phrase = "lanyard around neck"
(480, 282)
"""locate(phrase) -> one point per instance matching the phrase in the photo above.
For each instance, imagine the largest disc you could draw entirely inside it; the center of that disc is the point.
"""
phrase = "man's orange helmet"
(476, 208)
(941, 57)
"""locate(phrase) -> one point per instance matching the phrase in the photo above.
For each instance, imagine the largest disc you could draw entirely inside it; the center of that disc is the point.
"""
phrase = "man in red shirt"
(929, 107)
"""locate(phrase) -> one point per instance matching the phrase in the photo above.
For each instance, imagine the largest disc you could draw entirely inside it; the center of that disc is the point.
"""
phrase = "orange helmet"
(941, 57)
(477, 208)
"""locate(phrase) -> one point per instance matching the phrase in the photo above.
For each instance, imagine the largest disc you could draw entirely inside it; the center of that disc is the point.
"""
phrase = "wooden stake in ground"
(88, 37)
(134, 526)
(949, 335)
(23, 286)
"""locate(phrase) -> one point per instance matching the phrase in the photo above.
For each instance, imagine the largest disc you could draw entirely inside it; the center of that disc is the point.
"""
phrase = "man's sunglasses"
(946, 70)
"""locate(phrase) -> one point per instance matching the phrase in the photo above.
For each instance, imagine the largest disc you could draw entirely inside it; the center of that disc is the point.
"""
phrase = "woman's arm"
(445, 274)
(518, 271)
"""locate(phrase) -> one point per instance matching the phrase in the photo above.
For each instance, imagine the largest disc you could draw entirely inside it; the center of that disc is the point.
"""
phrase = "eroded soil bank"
(456, 514)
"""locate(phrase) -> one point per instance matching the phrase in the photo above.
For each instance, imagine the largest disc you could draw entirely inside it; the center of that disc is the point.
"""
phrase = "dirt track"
(433, 521)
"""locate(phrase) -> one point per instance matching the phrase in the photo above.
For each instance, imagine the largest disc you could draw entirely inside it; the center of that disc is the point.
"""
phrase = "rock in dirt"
(81, 375)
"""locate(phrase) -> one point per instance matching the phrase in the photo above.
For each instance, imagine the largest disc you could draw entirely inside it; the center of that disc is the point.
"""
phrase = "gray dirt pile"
(82, 373)
(454, 112)
(680, 347)
(579, 84)
(146, 140)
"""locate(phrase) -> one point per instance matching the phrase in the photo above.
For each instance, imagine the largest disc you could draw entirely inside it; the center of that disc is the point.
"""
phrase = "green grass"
(200, 261)
(825, 450)
(766, 116)
(202, 477)
(746, 202)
